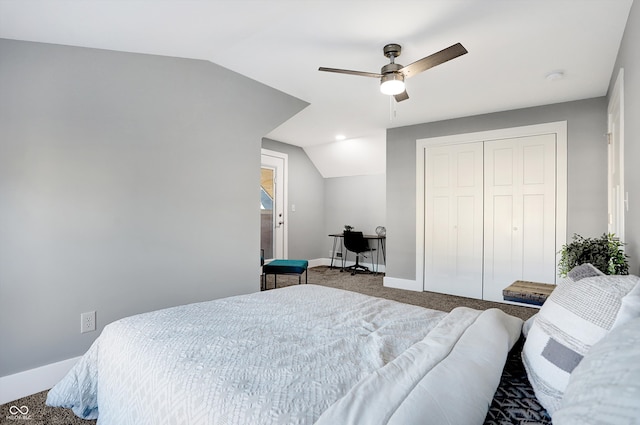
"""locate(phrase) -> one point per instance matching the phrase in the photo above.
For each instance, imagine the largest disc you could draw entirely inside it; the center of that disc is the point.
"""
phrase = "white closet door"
(453, 219)
(520, 203)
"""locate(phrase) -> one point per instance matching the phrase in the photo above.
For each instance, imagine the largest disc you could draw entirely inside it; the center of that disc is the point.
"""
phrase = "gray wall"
(306, 190)
(359, 201)
(587, 170)
(128, 183)
(629, 59)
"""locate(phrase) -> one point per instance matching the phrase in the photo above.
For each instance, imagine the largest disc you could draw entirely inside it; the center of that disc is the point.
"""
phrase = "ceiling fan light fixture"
(392, 84)
(555, 75)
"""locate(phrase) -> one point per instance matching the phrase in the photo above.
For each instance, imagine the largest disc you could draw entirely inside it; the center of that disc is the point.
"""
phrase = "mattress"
(296, 355)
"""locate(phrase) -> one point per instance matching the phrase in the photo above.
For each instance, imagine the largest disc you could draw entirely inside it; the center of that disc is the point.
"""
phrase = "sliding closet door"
(520, 204)
(453, 219)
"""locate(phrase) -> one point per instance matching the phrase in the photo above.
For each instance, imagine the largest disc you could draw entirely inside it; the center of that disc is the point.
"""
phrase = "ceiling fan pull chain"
(392, 108)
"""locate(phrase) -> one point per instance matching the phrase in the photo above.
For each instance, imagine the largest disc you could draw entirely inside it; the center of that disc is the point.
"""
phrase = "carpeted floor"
(370, 284)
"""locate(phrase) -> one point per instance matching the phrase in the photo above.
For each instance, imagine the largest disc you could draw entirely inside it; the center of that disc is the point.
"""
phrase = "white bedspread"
(295, 355)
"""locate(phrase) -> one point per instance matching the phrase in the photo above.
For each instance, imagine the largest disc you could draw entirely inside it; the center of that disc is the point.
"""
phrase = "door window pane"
(266, 211)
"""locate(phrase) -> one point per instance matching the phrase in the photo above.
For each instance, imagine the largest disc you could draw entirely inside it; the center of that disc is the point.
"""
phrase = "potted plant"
(348, 228)
(606, 253)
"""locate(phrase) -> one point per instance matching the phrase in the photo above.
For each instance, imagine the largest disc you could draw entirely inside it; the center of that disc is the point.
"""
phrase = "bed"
(297, 355)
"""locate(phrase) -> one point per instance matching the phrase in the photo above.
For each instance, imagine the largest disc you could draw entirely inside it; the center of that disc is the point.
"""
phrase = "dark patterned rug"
(514, 403)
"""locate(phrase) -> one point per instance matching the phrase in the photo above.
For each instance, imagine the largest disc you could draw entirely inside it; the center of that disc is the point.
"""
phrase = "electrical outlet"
(338, 255)
(88, 322)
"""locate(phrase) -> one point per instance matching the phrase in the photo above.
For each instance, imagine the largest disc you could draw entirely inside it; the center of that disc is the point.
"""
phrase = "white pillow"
(576, 273)
(580, 272)
(605, 387)
(584, 270)
(526, 327)
(630, 308)
(575, 316)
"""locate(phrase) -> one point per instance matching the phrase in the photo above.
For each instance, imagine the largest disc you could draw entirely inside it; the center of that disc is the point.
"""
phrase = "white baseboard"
(338, 262)
(407, 284)
(319, 262)
(22, 384)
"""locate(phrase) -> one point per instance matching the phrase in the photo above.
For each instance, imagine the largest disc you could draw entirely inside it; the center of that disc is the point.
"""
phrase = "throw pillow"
(575, 316)
(526, 327)
(605, 387)
(580, 272)
(584, 270)
(630, 308)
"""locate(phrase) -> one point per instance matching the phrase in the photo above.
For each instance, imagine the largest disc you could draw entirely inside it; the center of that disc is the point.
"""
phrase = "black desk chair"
(355, 242)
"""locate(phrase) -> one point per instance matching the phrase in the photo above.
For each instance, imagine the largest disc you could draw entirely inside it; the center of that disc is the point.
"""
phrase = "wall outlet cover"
(88, 322)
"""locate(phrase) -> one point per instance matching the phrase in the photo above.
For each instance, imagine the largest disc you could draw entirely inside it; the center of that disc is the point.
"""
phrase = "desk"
(380, 241)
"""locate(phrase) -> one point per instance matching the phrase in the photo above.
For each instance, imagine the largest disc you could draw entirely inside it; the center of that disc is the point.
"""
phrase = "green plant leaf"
(605, 253)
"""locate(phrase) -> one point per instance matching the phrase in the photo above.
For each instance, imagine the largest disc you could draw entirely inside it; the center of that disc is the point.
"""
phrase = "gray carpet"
(370, 284)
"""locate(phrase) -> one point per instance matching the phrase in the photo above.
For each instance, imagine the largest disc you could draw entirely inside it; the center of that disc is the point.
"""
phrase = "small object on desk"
(522, 291)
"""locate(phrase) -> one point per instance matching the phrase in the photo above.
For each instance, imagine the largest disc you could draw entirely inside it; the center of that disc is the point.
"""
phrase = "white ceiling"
(512, 44)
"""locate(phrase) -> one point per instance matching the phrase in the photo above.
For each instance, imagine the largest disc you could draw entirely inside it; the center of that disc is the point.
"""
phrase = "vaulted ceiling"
(513, 45)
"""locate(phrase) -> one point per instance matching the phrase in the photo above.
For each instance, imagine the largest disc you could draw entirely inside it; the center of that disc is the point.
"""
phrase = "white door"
(617, 197)
(454, 219)
(273, 194)
(519, 212)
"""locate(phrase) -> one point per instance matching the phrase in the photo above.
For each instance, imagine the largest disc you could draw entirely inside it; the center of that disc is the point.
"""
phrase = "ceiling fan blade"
(435, 59)
(402, 96)
(346, 71)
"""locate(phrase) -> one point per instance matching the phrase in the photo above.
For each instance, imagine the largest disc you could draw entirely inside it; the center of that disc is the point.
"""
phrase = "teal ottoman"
(277, 267)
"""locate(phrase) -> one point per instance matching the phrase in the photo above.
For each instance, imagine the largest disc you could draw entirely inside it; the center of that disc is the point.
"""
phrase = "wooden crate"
(526, 292)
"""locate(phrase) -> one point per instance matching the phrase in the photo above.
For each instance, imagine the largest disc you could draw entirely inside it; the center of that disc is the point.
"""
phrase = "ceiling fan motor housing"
(391, 68)
(392, 50)
(391, 71)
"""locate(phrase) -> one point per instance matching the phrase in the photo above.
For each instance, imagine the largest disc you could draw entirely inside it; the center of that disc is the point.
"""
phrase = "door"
(519, 212)
(454, 219)
(524, 212)
(617, 197)
(273, 193)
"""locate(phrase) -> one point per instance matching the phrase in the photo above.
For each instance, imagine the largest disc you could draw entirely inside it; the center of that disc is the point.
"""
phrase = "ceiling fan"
(393, 74)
